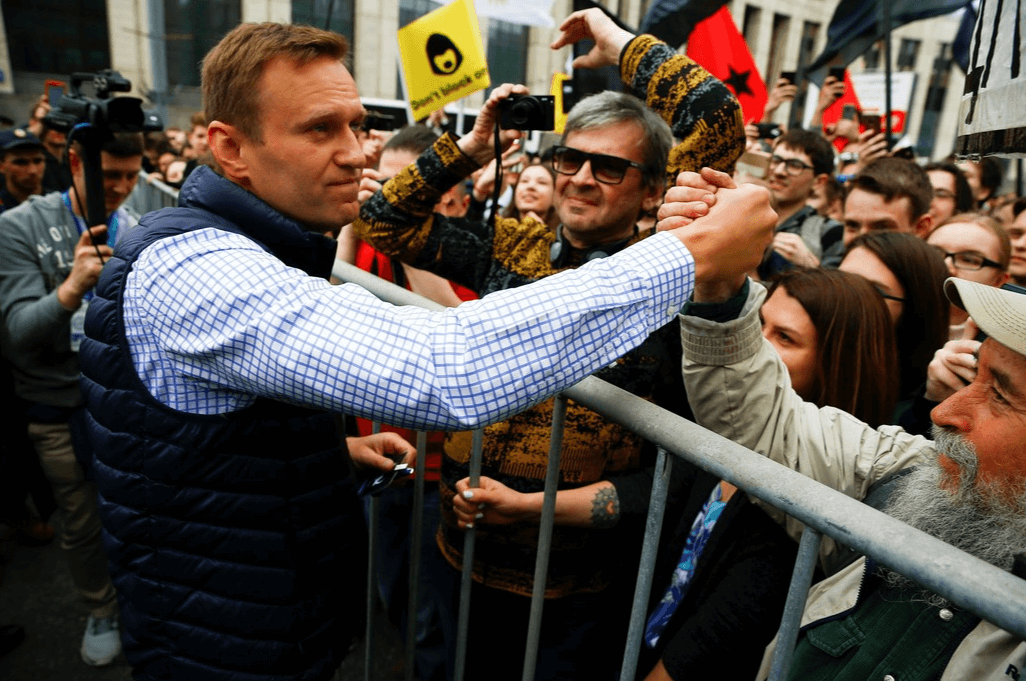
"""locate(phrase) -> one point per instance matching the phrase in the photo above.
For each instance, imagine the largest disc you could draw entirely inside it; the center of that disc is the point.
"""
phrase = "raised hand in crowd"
(39, 111)
(783, 91)
(832, 90)
(593, 24)
(845, 128)
(953, 366)
(726, 227)
(85, 271)
(870, 146)
(484, 183)
(373, 142)
(479, 143)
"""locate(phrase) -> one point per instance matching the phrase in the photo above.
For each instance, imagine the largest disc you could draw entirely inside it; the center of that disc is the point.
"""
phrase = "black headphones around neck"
(560, 250)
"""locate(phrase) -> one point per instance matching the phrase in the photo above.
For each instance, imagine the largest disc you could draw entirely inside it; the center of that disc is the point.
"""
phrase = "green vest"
(886, 636)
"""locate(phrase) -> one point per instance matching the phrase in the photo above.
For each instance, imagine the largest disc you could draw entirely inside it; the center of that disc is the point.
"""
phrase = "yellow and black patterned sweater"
(398, 221)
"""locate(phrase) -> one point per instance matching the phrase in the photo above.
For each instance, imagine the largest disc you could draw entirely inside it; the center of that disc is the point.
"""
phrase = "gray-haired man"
(611, 167)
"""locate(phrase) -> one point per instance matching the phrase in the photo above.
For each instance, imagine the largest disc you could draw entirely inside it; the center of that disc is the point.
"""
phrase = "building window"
(750, 27)
(781, 25)
(908, 51)
(408, 11)
(806, 53)
(507, 52)
(316, 13)
(936, 92)
(871, 58)
(414, 9)
(192, 28)
(38, 43)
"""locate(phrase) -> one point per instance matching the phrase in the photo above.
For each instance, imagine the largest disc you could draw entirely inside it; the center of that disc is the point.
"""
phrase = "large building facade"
(158, 45)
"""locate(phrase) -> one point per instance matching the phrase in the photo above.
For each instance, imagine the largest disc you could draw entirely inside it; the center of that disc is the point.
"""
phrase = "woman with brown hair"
(853, 358)
(732, 562)
(533, 195)
(910, 275)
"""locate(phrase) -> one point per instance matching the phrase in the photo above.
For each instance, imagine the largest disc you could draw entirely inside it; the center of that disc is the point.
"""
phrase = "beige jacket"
(739, 388)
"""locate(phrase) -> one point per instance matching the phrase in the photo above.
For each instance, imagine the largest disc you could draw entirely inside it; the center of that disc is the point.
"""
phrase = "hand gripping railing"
(993, 594)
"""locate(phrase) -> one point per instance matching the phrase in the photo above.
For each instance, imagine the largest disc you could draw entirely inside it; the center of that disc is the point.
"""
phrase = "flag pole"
(801, 81)
(886, 22)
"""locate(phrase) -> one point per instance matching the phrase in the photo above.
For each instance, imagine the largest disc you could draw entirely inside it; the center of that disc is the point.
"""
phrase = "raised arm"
(702, 113)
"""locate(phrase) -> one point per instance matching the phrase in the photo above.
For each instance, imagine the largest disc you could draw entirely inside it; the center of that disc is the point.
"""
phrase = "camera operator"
(48, 267)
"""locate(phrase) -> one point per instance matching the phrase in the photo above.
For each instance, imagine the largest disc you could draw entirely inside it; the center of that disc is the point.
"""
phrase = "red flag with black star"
(717, 45)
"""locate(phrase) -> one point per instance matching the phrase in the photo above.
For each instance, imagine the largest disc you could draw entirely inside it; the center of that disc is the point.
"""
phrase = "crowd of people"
(814, 295)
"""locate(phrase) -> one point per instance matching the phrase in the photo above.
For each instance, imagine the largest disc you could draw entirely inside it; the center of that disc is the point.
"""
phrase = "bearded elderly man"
(217, 356)
(967, 486)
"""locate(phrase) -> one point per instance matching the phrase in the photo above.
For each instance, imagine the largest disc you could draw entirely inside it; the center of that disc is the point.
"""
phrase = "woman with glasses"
(732, 563)
(974, 247)
(910, 275)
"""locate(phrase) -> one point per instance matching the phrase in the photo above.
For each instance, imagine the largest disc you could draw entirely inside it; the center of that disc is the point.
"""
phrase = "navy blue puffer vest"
(233, 539)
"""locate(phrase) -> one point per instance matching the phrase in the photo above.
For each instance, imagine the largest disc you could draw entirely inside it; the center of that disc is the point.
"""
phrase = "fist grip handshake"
(726, 227)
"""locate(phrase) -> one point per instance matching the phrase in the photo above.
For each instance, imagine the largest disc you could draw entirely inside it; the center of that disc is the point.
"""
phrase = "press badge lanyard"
(78, 317)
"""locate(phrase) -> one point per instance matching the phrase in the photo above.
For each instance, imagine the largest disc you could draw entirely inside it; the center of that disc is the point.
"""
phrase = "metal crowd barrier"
(991, 593)
(150, 195)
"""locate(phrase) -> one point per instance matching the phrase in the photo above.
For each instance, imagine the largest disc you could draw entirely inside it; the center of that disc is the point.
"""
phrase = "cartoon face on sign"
(442, 54)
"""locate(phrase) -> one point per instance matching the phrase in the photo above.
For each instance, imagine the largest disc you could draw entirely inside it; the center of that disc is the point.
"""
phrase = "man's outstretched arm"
(297, 339)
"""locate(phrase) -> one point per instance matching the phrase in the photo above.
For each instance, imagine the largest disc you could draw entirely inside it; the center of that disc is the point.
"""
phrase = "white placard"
(992, 118)
(524, 12)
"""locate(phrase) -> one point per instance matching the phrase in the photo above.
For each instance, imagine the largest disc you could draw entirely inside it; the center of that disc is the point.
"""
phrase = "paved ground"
(36, 592)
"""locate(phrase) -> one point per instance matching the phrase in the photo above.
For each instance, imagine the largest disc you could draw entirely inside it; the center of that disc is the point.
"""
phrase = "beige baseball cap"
(999, 313)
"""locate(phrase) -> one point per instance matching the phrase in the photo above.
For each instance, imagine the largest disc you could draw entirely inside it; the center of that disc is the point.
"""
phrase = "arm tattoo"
(605, 508)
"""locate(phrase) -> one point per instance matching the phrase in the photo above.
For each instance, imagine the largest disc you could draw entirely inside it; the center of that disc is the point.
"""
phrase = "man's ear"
(923, 226)
(652, 199)
(226, 143)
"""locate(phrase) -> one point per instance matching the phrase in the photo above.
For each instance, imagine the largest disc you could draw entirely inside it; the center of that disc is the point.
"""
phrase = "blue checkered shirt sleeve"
(213, 321)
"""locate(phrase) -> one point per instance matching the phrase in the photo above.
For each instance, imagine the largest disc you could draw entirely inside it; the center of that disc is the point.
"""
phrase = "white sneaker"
(101, 642)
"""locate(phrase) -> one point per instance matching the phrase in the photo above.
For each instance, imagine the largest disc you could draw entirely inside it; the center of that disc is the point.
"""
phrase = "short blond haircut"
(232, 70)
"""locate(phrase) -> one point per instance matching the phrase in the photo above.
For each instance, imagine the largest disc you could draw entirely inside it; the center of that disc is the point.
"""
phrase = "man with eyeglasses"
(611, 165)
(977, 248)
(802, 162)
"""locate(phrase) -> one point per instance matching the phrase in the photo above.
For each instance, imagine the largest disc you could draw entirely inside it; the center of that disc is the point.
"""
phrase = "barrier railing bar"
(548, 516)
(372, 582)
(649, 549)
(467, 578)
(149, 195)
(984, 589)
(798, 593)
(416, 541)
(996, 595)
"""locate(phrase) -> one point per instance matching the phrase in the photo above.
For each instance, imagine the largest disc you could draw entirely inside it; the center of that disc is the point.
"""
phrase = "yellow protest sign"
(556, 90)
(443, 57)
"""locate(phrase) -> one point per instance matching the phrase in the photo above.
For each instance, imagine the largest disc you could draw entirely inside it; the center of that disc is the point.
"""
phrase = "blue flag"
(856, 26)
(960, 47)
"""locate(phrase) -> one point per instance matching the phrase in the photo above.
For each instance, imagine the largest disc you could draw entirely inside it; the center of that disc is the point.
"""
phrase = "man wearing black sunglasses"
(611, 165)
